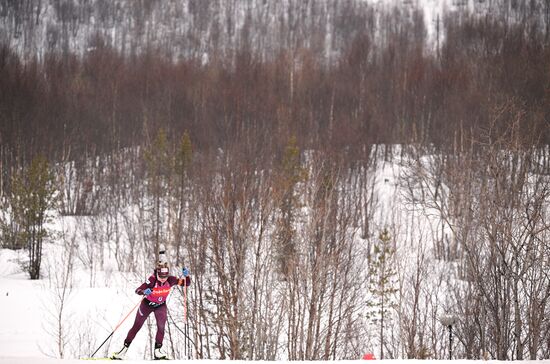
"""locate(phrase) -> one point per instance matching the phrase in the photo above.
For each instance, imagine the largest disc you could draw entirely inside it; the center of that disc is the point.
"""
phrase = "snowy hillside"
(206, 28)
(75, 307)
(76, 304)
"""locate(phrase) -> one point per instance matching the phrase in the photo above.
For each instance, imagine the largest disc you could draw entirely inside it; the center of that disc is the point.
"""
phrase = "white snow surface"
(27, 332)
(29, 320)
(31, 360)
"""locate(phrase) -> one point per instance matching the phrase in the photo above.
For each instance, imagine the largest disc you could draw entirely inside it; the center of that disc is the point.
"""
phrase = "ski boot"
(119, 355)
(158, 353)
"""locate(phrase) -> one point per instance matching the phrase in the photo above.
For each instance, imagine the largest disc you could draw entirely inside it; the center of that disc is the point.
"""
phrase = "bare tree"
(60, 285)
(494, 182)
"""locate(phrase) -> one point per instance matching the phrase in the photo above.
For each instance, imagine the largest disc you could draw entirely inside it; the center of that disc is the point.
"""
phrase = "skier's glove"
(185, 272)
(147, 292)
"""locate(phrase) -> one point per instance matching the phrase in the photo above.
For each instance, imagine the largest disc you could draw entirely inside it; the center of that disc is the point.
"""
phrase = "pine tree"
(292, 173)
(381, 283)
(184, 157)
(32, 199)
(182, 164)
(158, 160)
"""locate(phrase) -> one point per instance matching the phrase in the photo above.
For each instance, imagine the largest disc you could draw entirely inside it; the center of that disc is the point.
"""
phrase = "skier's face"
(162, 274)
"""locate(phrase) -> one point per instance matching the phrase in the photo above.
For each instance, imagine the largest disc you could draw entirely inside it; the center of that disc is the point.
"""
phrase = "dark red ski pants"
(144, 311)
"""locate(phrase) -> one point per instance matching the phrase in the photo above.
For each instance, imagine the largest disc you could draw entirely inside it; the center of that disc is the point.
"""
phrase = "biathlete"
(155, 291)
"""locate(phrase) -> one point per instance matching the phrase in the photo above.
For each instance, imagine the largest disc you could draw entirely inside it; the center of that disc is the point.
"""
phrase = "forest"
(249, 138)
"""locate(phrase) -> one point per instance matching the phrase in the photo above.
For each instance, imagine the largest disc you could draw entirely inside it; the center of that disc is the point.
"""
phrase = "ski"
(97, 359)
(120, 359)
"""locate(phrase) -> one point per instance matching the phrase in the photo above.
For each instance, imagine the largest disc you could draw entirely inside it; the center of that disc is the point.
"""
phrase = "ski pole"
(185, 320)
(116, 328)
(185, 304)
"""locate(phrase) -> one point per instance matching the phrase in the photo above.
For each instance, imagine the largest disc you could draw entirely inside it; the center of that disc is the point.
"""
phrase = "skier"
(155, 291)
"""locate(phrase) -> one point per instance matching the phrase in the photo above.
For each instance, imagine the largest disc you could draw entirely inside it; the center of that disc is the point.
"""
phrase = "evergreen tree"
(184, 157)
(182, 164)
(159, 162)
(32, 199)
(382, 283)
(292, 172)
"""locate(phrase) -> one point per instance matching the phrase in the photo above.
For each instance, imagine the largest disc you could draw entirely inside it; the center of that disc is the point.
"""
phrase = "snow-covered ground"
(30, 310)
(92, 306)
(31, 360)
(28, 323)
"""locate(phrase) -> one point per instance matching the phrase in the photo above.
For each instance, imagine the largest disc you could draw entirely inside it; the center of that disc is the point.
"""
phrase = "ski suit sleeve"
(149, 283)
(179, 281)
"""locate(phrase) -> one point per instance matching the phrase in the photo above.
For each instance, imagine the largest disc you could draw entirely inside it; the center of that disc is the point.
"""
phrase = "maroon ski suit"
(155, 302)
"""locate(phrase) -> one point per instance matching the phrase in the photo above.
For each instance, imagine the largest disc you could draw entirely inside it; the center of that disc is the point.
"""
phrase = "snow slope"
(30, 311)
